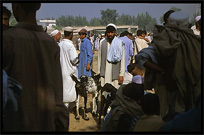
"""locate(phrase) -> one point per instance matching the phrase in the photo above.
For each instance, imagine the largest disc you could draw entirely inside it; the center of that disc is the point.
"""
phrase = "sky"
(91, 10)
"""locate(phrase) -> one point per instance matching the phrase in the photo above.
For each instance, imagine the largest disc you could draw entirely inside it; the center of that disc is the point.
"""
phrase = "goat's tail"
(74, 78)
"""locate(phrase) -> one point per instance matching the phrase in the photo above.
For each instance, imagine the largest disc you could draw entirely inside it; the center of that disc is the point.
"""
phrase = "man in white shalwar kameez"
(111, 72)
(140, 41)
(69, 60)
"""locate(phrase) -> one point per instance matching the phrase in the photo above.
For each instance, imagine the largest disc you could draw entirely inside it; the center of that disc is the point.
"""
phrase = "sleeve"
(122, 67)
(61, 112)
(89, 52)
(73, 55)
(99, 58)
(144, 55)
(131, 49)
(139, 44)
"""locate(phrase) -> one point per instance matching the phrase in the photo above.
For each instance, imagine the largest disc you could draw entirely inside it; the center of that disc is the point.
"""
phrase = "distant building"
(49, 23)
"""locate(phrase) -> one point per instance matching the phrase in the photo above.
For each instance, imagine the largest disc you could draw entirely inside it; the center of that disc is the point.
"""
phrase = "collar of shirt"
(83, 39)
(67, 40)
(30, 26)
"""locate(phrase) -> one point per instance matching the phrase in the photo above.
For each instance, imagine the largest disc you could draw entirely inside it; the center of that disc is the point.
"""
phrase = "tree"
(70, 20)
(108, 16)
(95, 22)
(124, 20)
(144, 21)
(12, 21)
(193, 18)
(61, 21)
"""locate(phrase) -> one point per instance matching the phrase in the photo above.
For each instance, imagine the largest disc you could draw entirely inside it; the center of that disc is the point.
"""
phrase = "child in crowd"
(151, 120)
(137, 73)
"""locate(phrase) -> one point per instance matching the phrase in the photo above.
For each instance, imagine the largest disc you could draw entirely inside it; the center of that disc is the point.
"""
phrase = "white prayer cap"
(179, 18)
(113, 25)
(197, 18)
(68, 29)
(54, 33)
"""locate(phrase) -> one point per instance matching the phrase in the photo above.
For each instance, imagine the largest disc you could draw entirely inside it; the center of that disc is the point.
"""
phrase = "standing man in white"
(111, 58)
(69, 60)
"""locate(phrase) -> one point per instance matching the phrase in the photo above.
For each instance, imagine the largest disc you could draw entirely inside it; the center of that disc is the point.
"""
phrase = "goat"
(108, 94)
(85, 85)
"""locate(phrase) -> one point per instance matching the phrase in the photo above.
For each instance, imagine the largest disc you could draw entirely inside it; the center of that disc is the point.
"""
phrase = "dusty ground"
(83, 125)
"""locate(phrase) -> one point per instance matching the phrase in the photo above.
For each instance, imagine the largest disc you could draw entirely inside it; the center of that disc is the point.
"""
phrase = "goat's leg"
(94, 102)
(106, 107)
(101, 109)
(85, 108)
(77, 117)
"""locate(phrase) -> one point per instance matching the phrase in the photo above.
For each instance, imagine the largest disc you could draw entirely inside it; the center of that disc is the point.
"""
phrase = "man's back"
(141, 43)
(32, 58)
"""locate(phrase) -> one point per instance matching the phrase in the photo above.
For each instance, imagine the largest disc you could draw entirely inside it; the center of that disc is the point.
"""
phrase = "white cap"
(68, 29)
(53, 33)
(197, 18)
(113, 25)
(179, 18)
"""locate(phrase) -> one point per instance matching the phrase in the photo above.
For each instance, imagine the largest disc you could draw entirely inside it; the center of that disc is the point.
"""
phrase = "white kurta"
(108, 71)
(141, 43)
(127, 78)
(195, 31)
(68, 60)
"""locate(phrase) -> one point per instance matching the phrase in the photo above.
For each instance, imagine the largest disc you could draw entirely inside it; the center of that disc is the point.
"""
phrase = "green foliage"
(57, 27)
(108, 16)
(12, 21)
(71, 21)
(95, 22)
(193, 18)
(125, 20)
(144, 20)
(161, 19)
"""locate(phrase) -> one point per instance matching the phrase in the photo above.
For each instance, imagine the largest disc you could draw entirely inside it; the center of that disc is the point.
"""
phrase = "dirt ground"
(83, 125)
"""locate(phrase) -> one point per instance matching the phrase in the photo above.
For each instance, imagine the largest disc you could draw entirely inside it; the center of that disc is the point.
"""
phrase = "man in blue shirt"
(86, 54)
(128, 48)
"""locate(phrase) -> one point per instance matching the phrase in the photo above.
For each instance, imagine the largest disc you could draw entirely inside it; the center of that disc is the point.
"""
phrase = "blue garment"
(86, 56)
(11, 91)
(144, 55)
(5, 80)
(138, 79)
(187, 121)
(115, 51)
(128, 50)
(106, 118)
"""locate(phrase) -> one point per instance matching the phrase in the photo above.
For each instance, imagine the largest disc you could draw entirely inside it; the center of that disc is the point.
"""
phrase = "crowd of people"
(37, 69)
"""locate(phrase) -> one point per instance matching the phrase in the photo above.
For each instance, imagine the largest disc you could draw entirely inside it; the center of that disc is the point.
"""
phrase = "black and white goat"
(108, 94)
(85, 85)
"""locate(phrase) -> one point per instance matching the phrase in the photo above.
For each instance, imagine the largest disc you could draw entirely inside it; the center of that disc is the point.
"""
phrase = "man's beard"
(110, 38)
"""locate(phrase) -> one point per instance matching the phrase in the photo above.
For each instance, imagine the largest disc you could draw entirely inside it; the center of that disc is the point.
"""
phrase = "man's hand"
(88, 66)
(120, 80)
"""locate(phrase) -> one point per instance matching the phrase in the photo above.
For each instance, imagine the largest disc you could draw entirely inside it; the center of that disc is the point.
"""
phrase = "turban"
(197, 18)
(111, 24)
(54, 33)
